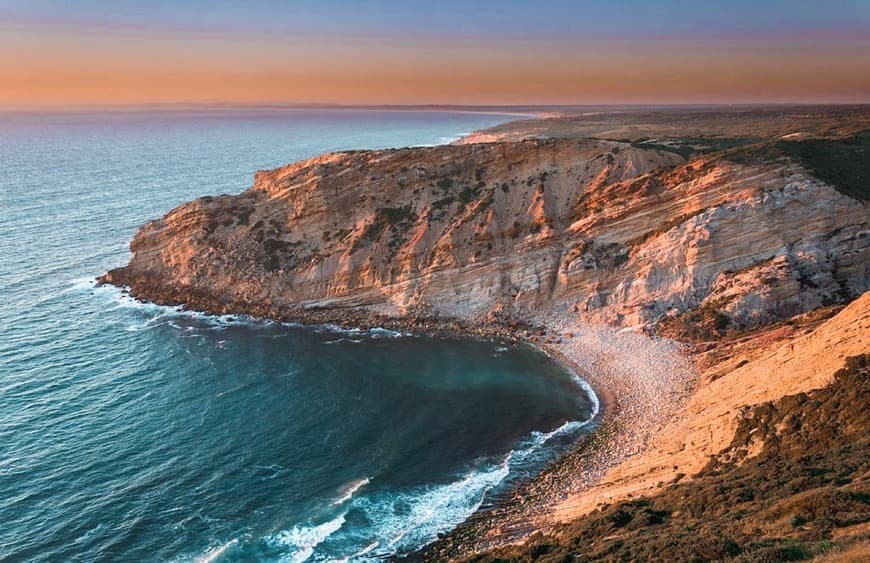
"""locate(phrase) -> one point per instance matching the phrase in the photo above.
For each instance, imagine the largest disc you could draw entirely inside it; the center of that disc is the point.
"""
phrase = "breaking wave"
(389, 522)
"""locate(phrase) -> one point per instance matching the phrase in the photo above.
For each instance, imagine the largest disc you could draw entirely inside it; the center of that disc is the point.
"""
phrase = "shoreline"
(649, 434)
(633, 409)
(580, 467)
(632, 405)
(603, 401)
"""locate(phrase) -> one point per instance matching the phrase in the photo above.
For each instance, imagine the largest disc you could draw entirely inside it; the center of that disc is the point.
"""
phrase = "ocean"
(133, 432)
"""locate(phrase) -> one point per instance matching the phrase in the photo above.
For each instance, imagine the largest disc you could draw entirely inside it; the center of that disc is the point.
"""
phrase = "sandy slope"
(706, 424)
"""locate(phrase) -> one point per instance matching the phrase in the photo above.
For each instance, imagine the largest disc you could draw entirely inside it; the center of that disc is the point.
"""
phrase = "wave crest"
(302, 540)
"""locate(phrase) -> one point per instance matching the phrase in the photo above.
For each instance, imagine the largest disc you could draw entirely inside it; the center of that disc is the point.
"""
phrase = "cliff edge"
(621, 234)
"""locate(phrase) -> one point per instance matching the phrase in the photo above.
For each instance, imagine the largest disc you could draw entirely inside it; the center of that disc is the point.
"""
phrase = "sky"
(496, 52)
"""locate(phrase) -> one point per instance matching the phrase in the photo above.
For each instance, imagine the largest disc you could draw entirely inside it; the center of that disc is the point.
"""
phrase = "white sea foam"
(302, 540)
(379, 332)
(118, 298)
(81, 284)
(426, 512)
(430, 511)
(444, 140)
(269, 472)
(155, 315)
(587, 389)
(541, 438)
(376, 332)
(328, 327)
(367, 549)
(215, 552)
(532, 445)
(342, 339)
(402, 521)
(348, 490)
(593, 397)
(399, 521)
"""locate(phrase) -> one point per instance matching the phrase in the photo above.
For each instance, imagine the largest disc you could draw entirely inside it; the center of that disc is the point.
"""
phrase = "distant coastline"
(520, 111)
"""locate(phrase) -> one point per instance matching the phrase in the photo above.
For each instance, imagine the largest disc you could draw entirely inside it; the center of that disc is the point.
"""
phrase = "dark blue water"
(135, 432)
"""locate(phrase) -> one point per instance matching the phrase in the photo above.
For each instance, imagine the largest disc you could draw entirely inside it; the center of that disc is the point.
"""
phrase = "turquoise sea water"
(135, 432)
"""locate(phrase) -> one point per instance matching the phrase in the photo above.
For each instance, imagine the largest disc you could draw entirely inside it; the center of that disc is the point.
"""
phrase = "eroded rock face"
(623, 235)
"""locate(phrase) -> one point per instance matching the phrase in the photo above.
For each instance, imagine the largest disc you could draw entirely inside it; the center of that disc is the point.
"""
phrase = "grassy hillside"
(843, 163)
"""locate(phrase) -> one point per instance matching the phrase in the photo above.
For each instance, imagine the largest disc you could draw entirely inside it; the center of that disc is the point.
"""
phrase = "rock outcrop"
(622, 234)
(739, 252)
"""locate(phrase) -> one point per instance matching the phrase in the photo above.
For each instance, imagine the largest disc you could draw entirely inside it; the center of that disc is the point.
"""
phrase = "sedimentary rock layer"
(621, 234)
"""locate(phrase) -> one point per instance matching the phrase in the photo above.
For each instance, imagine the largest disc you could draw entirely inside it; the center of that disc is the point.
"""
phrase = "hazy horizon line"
(485, 108)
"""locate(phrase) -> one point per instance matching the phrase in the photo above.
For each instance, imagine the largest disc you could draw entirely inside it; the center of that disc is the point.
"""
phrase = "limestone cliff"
(621, 233)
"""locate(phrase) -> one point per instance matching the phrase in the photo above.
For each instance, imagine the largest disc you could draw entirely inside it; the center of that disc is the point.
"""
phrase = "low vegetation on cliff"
(805, 493)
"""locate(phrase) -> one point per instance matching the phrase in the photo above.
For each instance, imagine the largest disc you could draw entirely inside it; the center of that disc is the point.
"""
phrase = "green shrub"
(843, 163)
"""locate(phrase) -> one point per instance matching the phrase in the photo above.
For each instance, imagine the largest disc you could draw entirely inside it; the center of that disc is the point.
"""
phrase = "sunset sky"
(55, 53)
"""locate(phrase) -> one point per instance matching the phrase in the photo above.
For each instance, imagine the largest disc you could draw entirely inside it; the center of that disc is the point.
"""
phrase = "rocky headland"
(693, 278)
